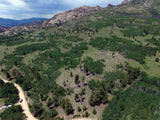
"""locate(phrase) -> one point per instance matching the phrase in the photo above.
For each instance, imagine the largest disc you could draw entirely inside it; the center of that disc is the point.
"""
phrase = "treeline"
(125, 47)
(16, 40)
(130, 25)
(26, 49)
(9, 39)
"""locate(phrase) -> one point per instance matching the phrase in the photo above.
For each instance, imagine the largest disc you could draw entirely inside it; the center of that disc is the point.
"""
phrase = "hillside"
(71, 15)
(143, 8)
(101, 64)
(58, 19)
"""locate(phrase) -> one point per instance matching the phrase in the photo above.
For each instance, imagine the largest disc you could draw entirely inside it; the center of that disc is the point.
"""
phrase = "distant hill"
(57, 19)
(2, 28)
(10, 22)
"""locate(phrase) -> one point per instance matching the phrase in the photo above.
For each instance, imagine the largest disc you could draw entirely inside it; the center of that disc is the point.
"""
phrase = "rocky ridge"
(58, 18)
(71, 15)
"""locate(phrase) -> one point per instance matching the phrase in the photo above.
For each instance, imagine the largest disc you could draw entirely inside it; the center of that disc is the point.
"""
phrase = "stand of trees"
(125, 47)
(99, 95)
(141, 101)
(13, 113)
(9, 92)
(94, 67)
(67, 106)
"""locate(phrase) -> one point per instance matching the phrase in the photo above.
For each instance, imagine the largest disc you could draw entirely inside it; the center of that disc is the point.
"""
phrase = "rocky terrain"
(71, 15)
(2, 28)
(57, 19)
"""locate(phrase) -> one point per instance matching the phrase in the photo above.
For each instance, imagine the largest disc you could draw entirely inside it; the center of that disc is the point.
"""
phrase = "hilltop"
(71, 15)
(89, 62)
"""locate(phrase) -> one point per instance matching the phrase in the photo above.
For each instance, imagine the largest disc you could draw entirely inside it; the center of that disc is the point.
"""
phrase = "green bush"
(79, 109)
(94, 111)
(67, 106)
(86, 114)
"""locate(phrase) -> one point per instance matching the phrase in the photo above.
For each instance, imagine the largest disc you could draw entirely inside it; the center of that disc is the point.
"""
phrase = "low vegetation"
(66, 73)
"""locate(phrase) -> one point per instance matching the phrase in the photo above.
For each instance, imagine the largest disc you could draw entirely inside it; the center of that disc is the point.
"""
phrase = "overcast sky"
(20, 9)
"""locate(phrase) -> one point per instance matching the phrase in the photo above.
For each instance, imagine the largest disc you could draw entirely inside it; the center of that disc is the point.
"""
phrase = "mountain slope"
(57, 19)
(10, 22)
(148, 8)
(71, 15)
(103, 62)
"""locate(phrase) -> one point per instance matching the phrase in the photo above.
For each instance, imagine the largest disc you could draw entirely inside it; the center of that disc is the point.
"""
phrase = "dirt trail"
(24, 103)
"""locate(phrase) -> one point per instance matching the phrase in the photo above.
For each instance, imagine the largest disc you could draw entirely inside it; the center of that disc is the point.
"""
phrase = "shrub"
(157, 60)
(79, 109)
(86, 114)
(94, 111)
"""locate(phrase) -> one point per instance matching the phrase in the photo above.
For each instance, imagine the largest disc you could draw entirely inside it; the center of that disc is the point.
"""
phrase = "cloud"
(77, 3)
(20, 9)
(13, 8)
(17, 3)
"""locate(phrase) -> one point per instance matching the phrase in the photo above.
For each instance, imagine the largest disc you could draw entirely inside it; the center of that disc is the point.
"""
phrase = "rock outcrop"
(110, 6)
(71, 15)
(126, 1)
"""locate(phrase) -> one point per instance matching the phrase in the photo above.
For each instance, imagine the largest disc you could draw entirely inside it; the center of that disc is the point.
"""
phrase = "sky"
(22, 9)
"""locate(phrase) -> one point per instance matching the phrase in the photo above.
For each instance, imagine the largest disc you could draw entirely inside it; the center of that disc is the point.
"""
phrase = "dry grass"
(152, 67)
(4, 50)
(1, 102)
(110, 63)
(65, 76)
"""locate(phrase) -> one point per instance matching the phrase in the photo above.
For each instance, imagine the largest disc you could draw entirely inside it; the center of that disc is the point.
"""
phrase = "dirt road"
(24, 103)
